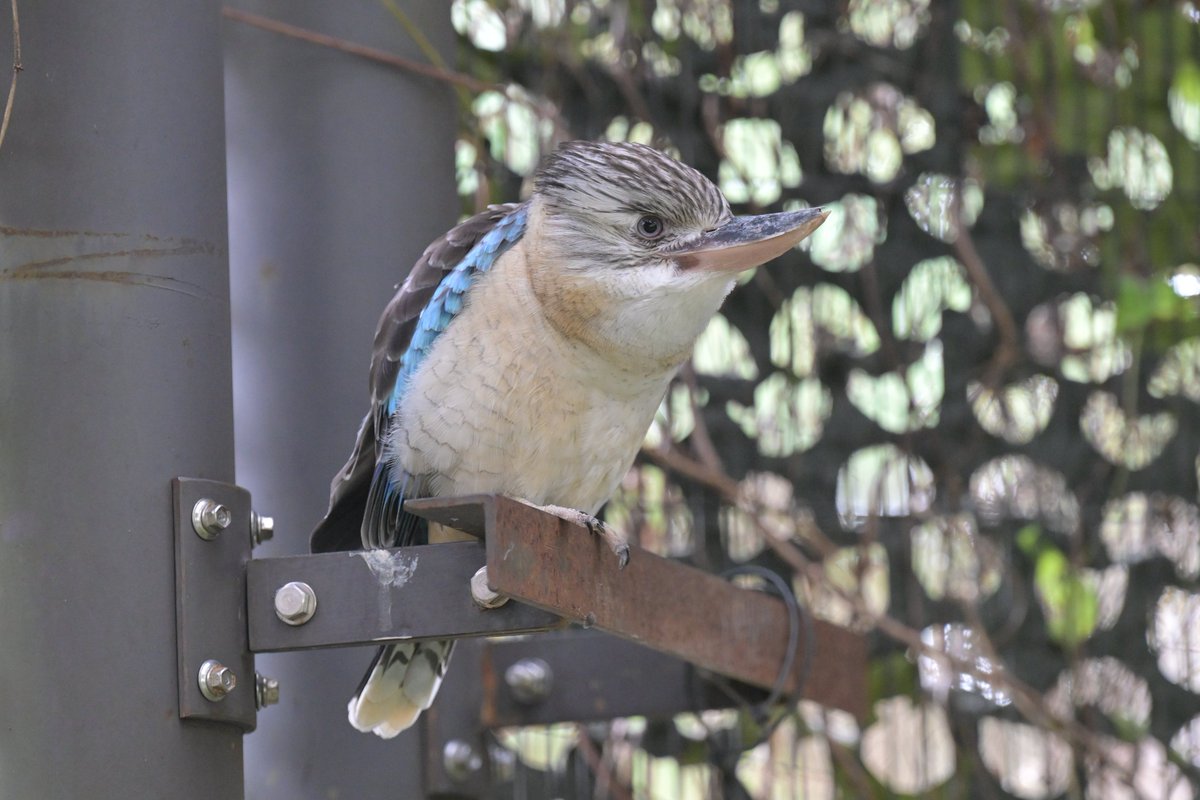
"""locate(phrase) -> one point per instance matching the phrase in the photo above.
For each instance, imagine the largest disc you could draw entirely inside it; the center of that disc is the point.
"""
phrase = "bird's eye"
(651, 227)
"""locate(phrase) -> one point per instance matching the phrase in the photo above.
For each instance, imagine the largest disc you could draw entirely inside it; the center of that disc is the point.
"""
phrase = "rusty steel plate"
(560, 567)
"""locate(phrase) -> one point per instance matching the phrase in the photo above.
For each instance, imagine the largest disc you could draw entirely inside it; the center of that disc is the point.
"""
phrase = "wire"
(798, 618)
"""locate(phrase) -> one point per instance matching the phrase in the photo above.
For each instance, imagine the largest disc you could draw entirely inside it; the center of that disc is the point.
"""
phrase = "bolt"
(460, 760)
(482, 594)
(209, 518)
(266, 691)
(261, 528)
(216, 680)
(295, 603)
(529, 680)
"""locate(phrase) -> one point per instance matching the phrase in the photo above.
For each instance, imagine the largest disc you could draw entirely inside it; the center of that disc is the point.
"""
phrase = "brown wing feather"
(339, 530)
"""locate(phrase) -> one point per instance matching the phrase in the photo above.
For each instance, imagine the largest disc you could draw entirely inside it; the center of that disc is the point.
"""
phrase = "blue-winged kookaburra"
(526, 354)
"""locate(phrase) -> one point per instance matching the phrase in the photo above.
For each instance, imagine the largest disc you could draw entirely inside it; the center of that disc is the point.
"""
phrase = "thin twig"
(673, 459)
(12, 87)
(457, 79)
(606, 783)
(362, 51)
(846, 759)
(426, 47)
(416, 34)
(701, 439)
(1010, 348)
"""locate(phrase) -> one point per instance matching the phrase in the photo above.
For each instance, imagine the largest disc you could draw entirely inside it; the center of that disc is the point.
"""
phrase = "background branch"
(16, 70)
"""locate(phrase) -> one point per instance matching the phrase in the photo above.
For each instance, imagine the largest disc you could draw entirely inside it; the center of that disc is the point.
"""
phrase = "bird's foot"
(596, 527)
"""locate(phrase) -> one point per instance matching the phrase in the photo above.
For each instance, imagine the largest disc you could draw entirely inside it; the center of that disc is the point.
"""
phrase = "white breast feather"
(504, 404)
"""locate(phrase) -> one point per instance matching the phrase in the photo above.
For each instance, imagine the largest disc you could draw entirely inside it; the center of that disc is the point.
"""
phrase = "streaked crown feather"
(627, 177)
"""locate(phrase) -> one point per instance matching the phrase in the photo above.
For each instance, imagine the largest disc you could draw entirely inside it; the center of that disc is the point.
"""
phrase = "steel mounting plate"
(210, 602)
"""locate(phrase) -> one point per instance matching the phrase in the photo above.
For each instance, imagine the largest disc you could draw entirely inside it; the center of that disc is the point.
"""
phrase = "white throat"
(642, 319)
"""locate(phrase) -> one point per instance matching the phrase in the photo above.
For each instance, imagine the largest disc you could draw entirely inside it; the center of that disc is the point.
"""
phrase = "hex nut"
(295, 603)
(216, 680)
(262, 528)
(209, 518)
(483, 595)
(266, 691)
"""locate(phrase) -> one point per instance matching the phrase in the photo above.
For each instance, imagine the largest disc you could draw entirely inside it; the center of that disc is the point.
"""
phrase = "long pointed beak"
(746, 242)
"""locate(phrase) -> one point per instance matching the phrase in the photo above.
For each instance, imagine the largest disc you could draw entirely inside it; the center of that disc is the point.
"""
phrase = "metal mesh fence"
(962, 419)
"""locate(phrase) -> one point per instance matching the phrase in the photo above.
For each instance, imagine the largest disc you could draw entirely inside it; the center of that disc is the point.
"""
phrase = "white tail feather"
(402, 683)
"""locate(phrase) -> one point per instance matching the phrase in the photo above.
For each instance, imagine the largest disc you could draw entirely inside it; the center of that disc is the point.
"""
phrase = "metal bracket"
(377, 596)
(684, 614)
(212, 547)
(229, 605)
(549, 563)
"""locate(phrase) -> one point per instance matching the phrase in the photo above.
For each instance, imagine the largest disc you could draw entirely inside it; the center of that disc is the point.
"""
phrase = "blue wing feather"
(342, 526)
(384, 522)
(447, 301)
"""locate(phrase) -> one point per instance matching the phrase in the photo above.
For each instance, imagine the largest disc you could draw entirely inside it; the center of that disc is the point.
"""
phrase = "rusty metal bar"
(380, 595)
(557, 566)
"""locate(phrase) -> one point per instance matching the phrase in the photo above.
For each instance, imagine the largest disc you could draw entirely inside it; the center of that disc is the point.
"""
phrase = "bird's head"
(632, 251)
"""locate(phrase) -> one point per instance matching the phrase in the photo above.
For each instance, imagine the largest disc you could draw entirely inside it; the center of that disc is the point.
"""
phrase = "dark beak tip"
(819, 212)
(746, 242)
(811, 219)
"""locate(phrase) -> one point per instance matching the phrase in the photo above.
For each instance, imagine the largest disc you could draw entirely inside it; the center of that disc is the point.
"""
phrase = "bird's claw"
(610, 537)
(614, 541)
(597, 527)
(622, 551)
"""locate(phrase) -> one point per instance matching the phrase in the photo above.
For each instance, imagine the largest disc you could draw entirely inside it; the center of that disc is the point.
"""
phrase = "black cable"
(726, 758)
(796, 617)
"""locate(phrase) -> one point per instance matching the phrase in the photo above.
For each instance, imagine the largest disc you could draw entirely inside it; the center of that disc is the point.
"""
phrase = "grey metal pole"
(340, 172)
(114, 378)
